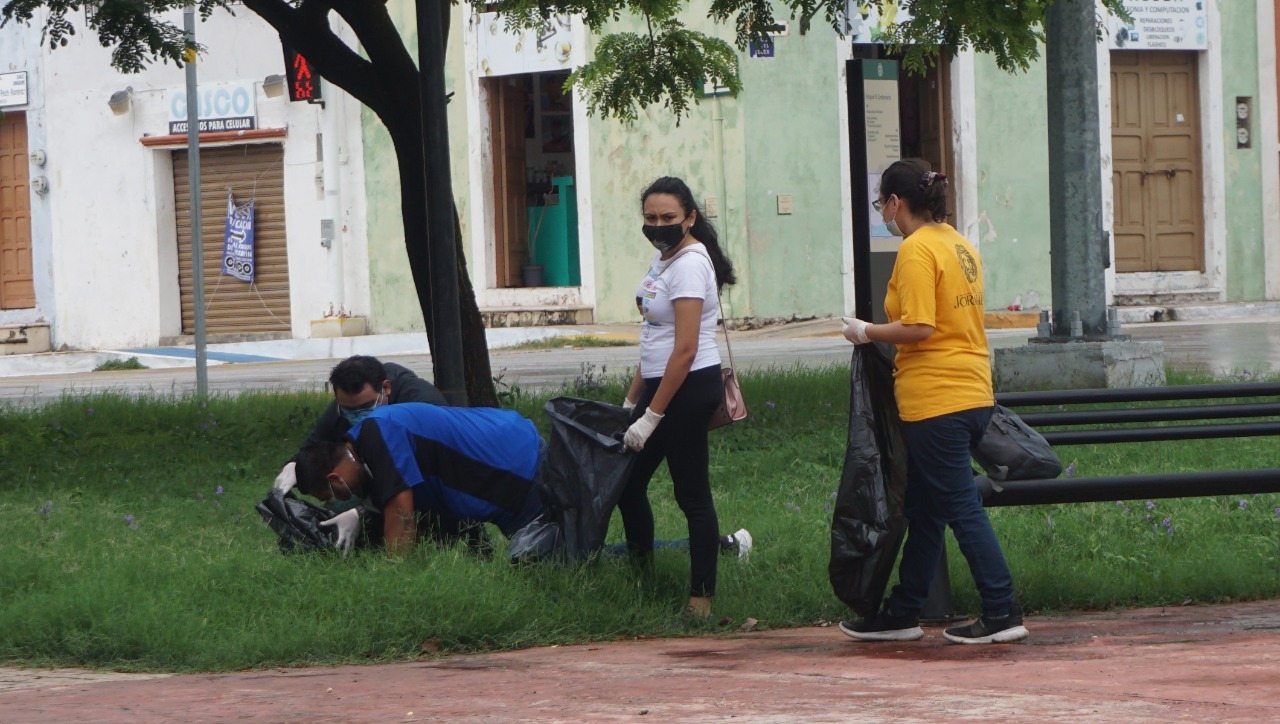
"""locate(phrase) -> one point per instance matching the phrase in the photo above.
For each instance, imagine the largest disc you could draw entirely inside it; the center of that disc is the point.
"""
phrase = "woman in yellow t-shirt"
(942, 384)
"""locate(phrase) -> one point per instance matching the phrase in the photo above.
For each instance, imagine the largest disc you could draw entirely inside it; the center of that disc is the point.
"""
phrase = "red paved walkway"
(1192, 663)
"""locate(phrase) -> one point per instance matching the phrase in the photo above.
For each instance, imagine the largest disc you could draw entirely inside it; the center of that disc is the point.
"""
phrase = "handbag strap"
(721, 322)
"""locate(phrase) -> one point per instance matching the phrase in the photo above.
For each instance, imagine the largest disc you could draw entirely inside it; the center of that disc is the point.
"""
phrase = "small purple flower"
(1126, 511)
(792, 507)
(769, 404)
(46, 509)
(1151, 505)
(218, 491)
(128, 518)
(1244, 505)
(1277, 511)
(1119, 503)
(54, 535)
(1070, 471)
(1167, 523)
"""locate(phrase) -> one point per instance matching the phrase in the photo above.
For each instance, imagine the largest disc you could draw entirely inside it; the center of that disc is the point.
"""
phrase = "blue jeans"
(941, 493)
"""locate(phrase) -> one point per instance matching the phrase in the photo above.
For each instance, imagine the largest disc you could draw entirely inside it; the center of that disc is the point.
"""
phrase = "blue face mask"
(357, 415)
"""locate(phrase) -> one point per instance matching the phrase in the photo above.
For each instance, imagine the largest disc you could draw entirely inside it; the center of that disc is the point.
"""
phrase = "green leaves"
(133, 29)
(631, 71)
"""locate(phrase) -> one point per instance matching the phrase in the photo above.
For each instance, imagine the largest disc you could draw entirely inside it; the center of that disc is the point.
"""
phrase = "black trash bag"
(1011, 450)
(297, 522)
(583, 475)
(868, 525)
(541, 539)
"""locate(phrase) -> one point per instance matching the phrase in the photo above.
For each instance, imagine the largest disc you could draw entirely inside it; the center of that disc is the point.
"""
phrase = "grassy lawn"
(131, 542)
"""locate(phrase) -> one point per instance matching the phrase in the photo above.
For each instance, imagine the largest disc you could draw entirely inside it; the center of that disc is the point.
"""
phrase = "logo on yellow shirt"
(967, 263)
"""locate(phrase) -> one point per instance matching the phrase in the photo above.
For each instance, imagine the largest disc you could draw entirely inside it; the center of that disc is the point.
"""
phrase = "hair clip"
(927, 179)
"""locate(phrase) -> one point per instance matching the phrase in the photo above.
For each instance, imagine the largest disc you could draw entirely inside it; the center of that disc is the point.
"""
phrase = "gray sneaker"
(883, 627)
(993, 630)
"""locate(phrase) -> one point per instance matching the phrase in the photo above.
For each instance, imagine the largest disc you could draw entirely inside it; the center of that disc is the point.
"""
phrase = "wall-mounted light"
(119, 101)
(273, 86)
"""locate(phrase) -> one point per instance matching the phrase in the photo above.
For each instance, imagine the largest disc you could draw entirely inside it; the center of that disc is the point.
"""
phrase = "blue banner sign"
(237, 241)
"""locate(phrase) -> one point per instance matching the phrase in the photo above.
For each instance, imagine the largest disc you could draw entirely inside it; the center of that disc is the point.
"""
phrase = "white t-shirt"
(688, 274)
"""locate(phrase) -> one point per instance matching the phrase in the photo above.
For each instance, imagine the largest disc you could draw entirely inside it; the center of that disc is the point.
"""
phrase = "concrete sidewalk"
(1196, 663)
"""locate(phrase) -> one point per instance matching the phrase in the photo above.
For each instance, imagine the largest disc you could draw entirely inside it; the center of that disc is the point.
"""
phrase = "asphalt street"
(1241, 347)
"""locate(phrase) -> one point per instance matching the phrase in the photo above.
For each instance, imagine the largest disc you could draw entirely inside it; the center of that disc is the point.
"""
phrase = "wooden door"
(1155, 149)
(507, 121)
(935, 123)
(17, 290)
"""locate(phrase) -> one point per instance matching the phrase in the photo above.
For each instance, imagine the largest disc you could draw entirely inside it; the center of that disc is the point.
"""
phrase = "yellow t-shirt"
(937, 280)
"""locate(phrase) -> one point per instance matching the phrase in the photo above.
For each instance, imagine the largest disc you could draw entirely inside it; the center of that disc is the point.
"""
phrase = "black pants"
(680, 439)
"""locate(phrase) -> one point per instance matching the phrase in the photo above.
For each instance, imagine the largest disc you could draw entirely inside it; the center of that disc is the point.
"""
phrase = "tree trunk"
(379, 81)
(478, 376)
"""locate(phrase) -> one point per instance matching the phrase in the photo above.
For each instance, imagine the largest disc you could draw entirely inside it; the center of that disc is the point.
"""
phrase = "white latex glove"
(855, 330)
(348, 523)
(640, 430)
(286, 479)
(627, 404)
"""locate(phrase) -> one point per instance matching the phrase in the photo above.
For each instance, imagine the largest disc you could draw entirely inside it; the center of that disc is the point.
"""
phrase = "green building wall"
(1013, 182)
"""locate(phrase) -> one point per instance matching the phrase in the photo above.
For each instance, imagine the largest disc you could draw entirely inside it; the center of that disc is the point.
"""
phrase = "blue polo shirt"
(476, 463)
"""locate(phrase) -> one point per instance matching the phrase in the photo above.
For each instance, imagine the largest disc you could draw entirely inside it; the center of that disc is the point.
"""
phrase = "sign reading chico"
(222, 107)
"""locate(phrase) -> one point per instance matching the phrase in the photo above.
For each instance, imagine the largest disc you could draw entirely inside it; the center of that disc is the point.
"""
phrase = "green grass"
(192, 581)
(576, 340)
(120, 364)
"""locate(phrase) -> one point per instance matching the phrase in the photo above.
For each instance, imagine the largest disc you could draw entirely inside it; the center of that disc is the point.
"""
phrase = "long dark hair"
(702, 229)
(913, 181)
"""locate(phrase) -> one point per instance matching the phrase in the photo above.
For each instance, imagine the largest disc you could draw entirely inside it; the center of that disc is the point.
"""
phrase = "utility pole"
(193, 179)
(446, 315)
(1078, 241)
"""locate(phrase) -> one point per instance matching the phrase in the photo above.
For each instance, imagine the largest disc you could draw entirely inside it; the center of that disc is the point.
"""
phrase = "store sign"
(13, 89)
(1160, 25)
(223, 107)
(884, 140)
(500, 51)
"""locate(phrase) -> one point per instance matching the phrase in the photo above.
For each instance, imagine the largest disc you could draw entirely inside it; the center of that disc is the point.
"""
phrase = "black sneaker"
(1002, 630)
(883, 627)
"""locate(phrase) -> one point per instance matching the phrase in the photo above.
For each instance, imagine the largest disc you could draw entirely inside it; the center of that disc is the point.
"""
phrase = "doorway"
(535, 213)
(1156, 164)
(17, 289)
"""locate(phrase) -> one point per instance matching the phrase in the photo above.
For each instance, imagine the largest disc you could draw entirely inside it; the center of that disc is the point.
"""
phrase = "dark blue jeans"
(941, 493)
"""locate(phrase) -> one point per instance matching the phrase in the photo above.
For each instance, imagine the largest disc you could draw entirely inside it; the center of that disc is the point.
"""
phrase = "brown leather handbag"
(732, 408)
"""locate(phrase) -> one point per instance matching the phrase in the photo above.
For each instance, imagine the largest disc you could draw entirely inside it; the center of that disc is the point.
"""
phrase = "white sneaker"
(742, 538)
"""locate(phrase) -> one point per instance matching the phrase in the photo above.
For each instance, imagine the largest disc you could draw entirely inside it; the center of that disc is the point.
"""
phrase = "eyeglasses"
(878, 204)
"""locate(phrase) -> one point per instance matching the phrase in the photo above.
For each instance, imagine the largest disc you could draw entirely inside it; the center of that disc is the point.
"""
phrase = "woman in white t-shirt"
(677, 385)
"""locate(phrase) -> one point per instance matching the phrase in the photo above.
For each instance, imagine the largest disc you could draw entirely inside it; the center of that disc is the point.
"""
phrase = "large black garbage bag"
(297, 522)
(868, 526)
(584, 473)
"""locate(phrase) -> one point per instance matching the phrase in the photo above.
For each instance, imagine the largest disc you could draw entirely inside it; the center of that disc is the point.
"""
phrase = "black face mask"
(665, 237)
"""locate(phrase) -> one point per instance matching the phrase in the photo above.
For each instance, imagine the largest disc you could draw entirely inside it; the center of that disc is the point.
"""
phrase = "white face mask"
(892, 224)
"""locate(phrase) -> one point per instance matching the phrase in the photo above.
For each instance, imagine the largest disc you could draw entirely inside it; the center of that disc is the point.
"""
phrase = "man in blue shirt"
(412, 459)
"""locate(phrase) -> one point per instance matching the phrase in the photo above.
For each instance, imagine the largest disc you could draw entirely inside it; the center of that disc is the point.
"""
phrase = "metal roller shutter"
(231, 306)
